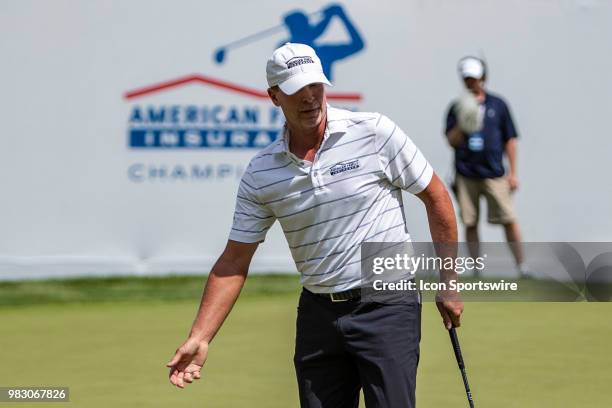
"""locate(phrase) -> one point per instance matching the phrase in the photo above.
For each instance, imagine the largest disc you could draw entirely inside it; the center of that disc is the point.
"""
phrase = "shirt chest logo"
(342, 167)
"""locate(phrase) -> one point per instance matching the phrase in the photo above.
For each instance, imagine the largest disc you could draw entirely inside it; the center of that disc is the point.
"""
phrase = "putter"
(457, 348)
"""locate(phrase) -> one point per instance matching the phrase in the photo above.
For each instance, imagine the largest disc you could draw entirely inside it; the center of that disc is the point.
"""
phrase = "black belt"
(339, 296)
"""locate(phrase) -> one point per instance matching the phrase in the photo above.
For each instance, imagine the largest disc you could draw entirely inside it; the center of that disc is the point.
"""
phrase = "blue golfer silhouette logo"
(304, 32)
(306, 29)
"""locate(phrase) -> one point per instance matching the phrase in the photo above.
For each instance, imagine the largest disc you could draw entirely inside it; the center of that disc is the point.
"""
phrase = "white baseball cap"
(293, 66)
(471, 68)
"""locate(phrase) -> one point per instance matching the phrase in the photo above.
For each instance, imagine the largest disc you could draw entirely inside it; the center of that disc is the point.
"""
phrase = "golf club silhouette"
(220, 53)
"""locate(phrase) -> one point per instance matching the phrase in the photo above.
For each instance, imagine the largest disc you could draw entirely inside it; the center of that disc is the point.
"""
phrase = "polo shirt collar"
(280, 145)
(335, 122)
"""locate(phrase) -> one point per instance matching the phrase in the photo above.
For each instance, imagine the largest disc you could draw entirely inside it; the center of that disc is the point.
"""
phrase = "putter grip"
(455, 340)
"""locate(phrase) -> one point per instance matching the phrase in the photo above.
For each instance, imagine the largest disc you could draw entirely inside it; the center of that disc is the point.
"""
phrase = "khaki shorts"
(498, 195)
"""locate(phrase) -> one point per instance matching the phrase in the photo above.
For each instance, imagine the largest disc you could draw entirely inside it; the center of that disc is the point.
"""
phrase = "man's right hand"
(223, 286)
(187, 362)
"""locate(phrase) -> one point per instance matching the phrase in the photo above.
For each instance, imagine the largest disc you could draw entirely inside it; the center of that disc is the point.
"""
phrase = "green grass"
(108, 340)
(95, 290)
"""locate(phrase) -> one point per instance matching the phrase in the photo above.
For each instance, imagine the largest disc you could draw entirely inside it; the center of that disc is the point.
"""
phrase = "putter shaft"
(457, 349)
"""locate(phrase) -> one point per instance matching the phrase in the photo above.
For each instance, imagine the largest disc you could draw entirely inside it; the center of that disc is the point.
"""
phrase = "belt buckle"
(334, 299)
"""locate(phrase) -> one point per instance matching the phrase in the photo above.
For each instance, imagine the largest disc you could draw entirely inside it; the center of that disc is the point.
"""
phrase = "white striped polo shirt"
(349, 194)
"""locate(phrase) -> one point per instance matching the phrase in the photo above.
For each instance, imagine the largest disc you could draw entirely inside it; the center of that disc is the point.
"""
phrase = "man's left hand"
(450, 310)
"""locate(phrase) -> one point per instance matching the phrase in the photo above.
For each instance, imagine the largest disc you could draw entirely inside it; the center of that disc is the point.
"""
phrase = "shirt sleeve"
(508, 128)
(252, 219)
(401, 161)
(451, 118)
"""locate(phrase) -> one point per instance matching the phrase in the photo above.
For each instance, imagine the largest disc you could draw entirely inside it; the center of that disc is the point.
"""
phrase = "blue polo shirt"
(481, 154)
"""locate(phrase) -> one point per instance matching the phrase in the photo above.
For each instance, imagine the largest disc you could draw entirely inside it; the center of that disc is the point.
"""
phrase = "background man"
(480, 129)
(333, 181)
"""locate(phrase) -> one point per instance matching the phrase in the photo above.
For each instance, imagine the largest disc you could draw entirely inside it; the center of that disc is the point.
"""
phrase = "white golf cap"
(471, 68)
(293, 66)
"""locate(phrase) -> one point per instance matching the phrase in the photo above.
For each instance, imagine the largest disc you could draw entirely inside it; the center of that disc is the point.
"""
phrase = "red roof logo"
(205, 80)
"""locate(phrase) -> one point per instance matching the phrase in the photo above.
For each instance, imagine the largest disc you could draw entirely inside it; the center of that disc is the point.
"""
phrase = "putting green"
(112, 354)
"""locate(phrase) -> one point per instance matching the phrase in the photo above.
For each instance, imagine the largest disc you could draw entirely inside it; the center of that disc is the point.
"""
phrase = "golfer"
(480, 128)
(333, 181)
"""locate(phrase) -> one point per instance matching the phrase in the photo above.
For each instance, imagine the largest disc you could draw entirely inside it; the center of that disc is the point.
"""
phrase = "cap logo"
(296, 61)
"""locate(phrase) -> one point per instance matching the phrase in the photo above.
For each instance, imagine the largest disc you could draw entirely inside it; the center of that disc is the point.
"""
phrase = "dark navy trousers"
(342, 347)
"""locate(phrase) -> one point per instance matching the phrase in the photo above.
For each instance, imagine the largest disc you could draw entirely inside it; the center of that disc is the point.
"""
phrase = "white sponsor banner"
(127, 125)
